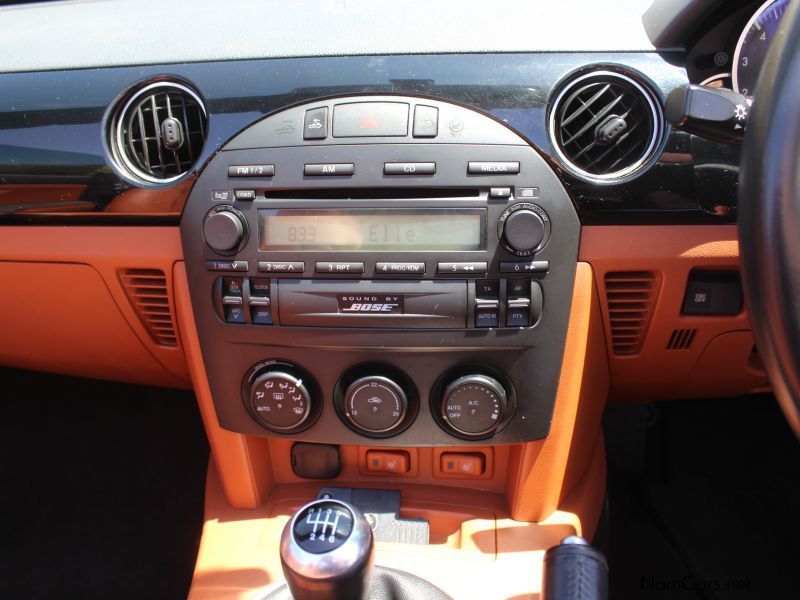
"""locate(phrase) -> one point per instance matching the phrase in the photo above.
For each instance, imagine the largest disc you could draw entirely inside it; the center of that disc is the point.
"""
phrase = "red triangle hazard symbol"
(369, 122)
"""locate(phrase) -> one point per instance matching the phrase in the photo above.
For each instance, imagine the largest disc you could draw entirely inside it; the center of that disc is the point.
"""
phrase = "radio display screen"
(373, 229)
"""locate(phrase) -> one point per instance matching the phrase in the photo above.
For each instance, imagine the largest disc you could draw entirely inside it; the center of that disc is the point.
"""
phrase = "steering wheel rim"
(769, 215)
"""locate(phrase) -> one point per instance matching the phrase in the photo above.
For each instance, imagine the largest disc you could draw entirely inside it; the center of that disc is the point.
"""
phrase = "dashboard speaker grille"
(605, 126)
(631, 296)
(148, 293)
(160, 132)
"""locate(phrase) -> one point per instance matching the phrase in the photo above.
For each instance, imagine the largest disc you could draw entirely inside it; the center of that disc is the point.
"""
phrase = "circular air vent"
(159, 132)
(605, 126)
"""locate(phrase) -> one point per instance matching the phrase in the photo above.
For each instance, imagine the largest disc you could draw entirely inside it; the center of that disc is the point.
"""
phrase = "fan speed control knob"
(225, 229)
(524, 228)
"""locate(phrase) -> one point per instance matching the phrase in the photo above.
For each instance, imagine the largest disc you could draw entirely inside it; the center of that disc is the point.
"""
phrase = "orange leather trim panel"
(476, 551)
(671, 252)
(64, 308)
(542, 473)
(243, 461)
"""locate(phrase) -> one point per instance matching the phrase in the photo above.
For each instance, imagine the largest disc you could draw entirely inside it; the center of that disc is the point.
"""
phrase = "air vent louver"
(605, 126)
(631, 297)
(148, 293)
(159, 133)
(681, 339)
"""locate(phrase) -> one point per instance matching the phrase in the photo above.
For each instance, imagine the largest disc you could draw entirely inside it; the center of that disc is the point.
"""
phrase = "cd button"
(329, 169)
(471, 268)
(337, 267)
(411, 168)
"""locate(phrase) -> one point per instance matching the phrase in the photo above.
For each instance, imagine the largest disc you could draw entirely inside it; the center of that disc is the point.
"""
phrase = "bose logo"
(372, 307)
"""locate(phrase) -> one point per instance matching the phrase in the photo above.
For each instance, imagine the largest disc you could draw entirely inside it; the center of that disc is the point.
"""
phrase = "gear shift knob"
(326, 552)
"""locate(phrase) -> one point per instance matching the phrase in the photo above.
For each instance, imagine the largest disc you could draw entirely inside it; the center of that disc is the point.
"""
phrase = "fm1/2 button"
(375, 404)
(474, 405)
(280, 400)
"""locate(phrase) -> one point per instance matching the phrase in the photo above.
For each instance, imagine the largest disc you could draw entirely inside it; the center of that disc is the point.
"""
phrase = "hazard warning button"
(370, 119)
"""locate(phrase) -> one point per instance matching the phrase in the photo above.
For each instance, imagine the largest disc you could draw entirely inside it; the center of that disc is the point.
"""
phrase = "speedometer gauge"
(751, 50)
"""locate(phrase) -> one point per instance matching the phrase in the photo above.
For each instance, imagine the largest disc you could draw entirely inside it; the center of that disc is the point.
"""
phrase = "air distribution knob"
(224, 229)
(523, 228)
(280, 399)
(473, 406)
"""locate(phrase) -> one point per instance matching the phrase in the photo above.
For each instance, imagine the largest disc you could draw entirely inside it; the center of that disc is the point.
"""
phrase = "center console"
(382, 270)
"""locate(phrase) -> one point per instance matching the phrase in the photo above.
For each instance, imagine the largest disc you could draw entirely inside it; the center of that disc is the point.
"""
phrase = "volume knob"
(523, 228)
(224, 229)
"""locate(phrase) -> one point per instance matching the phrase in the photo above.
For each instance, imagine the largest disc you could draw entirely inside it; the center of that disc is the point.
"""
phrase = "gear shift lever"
(326, 552)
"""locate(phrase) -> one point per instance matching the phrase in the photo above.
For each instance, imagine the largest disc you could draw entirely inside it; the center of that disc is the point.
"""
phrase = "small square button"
(426, 121)
(315, 124)
(234, 314)
(261, 315)
(487, 288)
(232, 286)
(519, 288)
(259, 287)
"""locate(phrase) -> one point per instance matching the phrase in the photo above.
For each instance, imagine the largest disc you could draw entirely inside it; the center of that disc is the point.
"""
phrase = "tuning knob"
(225, 229)
(474, 405)
(523, 228)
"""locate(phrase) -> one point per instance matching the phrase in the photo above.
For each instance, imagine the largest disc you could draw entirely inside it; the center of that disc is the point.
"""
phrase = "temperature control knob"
(523, 228)
(375, 404)
(280, 400)
(474, 405)
(224, 229)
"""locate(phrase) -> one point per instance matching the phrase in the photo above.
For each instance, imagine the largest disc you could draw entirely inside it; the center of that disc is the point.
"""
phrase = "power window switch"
(380, 461)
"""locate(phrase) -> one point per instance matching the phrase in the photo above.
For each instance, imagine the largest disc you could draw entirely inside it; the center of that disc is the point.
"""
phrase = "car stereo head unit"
(409, 232)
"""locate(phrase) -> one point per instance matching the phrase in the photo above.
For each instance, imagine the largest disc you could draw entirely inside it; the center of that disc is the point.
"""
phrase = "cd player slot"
(382, 193)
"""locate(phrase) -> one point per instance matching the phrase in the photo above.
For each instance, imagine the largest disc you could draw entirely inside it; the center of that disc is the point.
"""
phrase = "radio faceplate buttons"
(259, 288)
(400, 268)
(476, 268)
(234, 313)
(518, 313)
(487, 313)
(409, 168)
(337, 267)
(329, 169)
(251, 170)
(315, 124)
(232, 286)
(488, 289)
(426, 121)
(502, 192)
(261, 315)
(232, 300)
(493, 168)
(533, 266)
(227, 265)
(281, 267)
(244, 194)
(370, 119)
